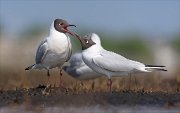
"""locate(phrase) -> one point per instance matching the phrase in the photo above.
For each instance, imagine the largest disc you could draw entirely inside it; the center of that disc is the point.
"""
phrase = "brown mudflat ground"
(55, 96)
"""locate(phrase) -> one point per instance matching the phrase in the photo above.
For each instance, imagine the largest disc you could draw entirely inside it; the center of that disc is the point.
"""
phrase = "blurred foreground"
(68, 100)
(90, 109)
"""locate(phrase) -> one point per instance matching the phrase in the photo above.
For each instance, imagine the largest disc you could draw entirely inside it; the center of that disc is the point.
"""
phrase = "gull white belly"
(59, 47)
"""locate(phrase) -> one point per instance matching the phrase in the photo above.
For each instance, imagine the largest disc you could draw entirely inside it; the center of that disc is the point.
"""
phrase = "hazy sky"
(151, 17)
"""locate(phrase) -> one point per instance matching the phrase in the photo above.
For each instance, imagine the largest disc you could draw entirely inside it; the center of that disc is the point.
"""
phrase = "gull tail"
(155, 68)
(30, 67)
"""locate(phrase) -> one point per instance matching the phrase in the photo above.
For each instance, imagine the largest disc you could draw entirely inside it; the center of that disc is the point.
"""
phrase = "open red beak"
(72, 33)
(66, 29)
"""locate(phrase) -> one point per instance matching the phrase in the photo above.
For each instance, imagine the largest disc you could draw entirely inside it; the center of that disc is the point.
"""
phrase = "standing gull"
(55, 49)
(109, 63)
(78, 69)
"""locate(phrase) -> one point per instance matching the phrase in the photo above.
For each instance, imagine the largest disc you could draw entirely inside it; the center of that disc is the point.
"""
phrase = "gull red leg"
(110, 84)
(48, 75)
(60, 78)
(135, 82)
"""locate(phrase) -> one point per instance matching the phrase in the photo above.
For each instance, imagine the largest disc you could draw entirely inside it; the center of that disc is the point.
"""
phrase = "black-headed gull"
(78, 69)
(55, 49)
(109, 63)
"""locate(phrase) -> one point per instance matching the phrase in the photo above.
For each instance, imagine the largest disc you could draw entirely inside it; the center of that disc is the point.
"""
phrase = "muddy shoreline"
(55, 96)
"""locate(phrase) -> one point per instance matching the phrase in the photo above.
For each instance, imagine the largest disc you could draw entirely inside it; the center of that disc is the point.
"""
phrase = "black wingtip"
(147, 65)
(26, 68)
(156, 69)
(162, 69)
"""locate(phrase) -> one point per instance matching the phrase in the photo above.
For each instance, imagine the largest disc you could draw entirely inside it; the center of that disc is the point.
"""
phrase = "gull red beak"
(66, 29)
(72, 33)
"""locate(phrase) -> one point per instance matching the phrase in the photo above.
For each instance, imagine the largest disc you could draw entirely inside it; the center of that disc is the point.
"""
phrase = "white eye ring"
(87, 41)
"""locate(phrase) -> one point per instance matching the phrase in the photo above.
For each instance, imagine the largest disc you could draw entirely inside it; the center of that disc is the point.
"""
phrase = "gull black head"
(62, 25)
(86, 42)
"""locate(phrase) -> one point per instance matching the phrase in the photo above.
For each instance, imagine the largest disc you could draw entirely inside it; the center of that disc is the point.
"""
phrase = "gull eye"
(86, 41)
(61, 24)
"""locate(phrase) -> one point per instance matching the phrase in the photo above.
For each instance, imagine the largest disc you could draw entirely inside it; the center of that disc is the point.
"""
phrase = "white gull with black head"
(55, 49)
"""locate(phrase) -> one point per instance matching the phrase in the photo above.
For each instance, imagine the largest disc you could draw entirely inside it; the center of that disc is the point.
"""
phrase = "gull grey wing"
(112, 62)
(76, 59)
(41, 51)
